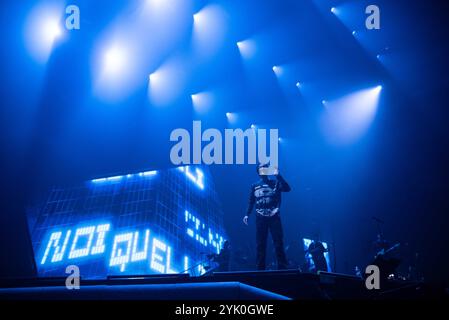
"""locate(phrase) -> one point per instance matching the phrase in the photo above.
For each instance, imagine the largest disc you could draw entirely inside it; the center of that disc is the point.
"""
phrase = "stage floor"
(253, 285)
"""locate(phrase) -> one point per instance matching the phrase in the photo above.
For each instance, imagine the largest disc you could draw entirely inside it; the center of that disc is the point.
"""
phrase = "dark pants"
(273, 224)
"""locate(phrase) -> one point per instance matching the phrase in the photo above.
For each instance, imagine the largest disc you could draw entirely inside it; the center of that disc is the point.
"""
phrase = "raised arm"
(282, 184)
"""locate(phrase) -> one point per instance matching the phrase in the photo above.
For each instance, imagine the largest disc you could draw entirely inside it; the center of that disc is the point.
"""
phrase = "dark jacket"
(266, 196)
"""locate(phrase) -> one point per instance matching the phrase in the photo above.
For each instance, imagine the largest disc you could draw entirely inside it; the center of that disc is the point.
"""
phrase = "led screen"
(143, 223)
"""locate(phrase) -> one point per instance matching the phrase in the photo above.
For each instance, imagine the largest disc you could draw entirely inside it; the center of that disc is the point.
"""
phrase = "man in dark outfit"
(222, 259)
(317, 250)
(265, 195)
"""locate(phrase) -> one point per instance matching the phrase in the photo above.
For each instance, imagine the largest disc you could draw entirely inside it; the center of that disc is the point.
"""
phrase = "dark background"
(55, 131)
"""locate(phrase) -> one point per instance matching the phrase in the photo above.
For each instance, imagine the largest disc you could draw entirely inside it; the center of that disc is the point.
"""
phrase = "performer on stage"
(222, 259)
(265, 195)
(380, 244)
(317, 250)
(385, 256)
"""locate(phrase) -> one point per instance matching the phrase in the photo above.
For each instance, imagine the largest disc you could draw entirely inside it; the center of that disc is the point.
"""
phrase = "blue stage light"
(232, 117)
(202, 101)
(196, 18)
(52, 30)
(209, 30)
(334, 10)
(116, 68)
(153, 77)
(43, 28)
(298, 85)
(277, 70)
(115, 59)
(247, 48)
(167, 83)
(160, 5)
(354, 33)
(347, 118)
